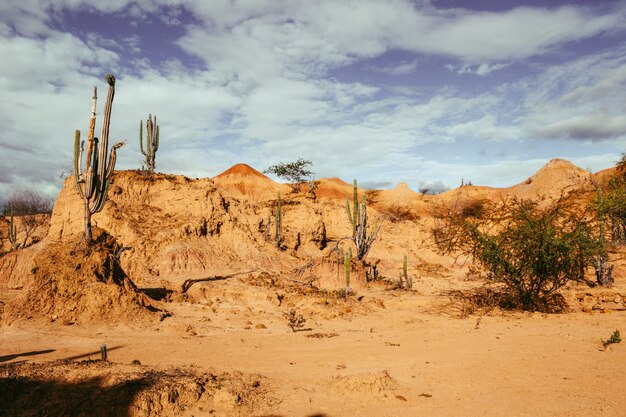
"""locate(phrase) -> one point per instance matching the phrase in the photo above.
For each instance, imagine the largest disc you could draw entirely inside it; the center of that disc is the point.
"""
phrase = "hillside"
(203, 312)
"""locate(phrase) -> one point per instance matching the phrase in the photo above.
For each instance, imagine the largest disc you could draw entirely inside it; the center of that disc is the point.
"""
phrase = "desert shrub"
(399, 213)
(474, 208)
(611, 206)
(294, 320)
(532, 251)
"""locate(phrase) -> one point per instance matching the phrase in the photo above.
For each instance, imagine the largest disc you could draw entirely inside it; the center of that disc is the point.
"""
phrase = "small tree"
(32, 207)
(534, 252)
(294, 172)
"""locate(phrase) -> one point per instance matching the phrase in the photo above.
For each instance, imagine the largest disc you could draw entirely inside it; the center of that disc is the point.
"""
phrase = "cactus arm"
(349, 213)
(78, 157)
(156, 139)
(104, 139)
(92, 126)
(101, 198)
(356, 201)
(141, 137)
(113, 158)
(149, 127)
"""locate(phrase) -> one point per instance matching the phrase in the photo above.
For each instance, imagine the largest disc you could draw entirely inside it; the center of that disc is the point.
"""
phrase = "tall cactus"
(347, 257)
(92, 182)
(279, 222)
(358, 219)
(12, 232)
(152, 141)
(405, 279)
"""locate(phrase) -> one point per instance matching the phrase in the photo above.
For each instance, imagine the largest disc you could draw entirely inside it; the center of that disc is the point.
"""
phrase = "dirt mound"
(72, 284)
(242, 180)
(554, 179)
(95, 388)
(329, 273)
(369, 383)
(16, 267)
(335, 189)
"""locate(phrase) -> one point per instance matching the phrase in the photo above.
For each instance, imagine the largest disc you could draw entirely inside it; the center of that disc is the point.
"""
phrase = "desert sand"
(189, 293)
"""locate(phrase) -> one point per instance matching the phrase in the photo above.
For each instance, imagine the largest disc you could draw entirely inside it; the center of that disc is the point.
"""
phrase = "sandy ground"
(394, 353)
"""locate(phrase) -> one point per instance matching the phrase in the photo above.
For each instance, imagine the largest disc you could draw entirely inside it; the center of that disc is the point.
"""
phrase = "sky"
(427, 92)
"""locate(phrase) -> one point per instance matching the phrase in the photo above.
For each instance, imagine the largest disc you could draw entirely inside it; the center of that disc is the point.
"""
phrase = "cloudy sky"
(426, 91)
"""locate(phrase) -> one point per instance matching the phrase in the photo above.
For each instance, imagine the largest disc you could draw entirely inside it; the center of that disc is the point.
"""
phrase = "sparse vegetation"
(92, 182)
(615, 337)
(32, 207)
(398, 213)
(152, 142)
(295, 320)
(532, 251)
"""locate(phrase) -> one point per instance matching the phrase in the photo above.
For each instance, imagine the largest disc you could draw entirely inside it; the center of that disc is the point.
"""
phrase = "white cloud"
(401, 69)
(266, 94)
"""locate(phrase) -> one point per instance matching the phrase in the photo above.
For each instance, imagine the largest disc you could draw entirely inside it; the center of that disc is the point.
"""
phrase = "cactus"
(358, 219)
(346, 267)
(279, 222)
(12, 232)
(92, 182)
(405, 280)
(152, 141)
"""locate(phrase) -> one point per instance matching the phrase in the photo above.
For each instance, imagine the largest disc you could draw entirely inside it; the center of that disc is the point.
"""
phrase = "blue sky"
(426, 92)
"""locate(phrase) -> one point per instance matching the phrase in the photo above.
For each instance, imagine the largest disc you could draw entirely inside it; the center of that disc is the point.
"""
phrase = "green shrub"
(532, 251)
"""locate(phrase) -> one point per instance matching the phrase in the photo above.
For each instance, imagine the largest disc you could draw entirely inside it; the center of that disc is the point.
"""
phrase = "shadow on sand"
(7, 358)
(21, 396)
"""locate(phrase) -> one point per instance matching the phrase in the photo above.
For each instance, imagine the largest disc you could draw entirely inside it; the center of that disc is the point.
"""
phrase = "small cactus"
(279, 222)
(347, 257)
(12, 232)
(406, 281)
(152, 141)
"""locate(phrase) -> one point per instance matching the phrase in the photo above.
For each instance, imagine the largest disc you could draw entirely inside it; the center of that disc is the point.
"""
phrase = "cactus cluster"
(358, 219)
(92, 181)
(152, 141)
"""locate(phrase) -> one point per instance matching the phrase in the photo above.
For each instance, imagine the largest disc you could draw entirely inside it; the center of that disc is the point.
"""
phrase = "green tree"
(294, 172)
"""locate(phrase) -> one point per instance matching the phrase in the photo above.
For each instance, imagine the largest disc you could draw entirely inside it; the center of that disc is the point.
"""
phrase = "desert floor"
(393, 353)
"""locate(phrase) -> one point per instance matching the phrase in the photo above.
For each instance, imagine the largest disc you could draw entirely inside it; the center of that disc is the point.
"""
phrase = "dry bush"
(32, 208)
(475, 208)
(484, 299)
(399, 213)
